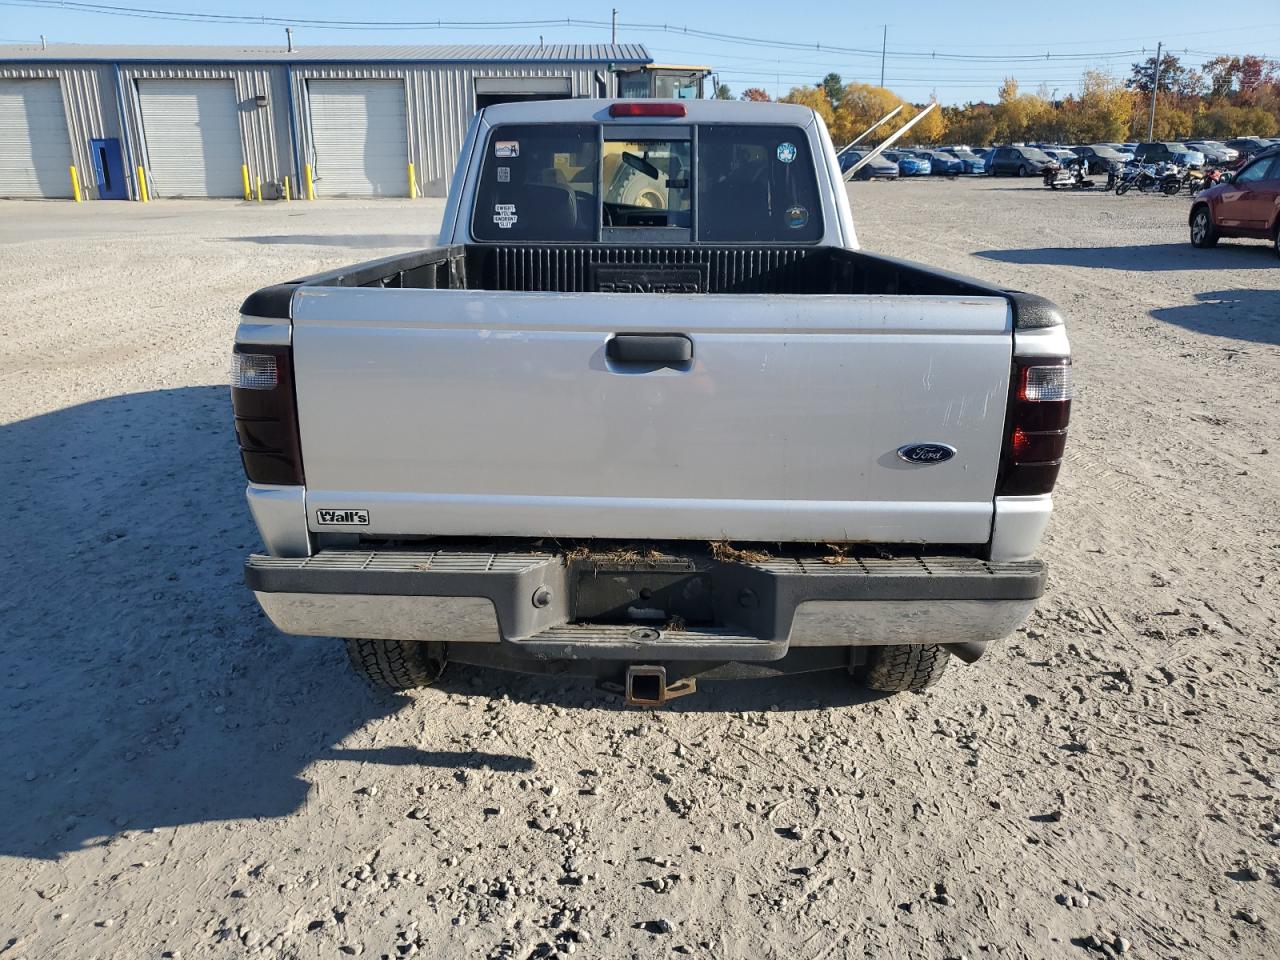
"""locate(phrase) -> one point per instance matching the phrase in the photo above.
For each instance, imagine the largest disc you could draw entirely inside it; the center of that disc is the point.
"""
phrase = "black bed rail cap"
(1031, 312)
(270, 303)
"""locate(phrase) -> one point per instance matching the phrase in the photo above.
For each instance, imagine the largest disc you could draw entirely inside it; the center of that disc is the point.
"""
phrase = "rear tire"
(1203, 234)
(397, 664)
(905, 667)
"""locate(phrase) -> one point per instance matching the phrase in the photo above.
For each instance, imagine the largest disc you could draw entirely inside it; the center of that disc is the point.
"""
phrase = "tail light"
(1039, 408)
(266, 413)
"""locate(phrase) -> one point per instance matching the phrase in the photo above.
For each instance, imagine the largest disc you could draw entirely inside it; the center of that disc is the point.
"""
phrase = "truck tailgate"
(464, 412)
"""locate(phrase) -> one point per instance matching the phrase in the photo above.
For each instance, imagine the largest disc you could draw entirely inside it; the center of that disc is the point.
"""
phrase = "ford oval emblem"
(926, 453)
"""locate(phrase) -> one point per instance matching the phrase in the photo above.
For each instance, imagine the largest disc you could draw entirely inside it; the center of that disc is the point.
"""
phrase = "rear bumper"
(529, 602)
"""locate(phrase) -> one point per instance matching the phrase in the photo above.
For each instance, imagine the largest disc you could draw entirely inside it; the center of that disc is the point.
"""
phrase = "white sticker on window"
(505, 149)
(504, 215)
(504, 174)
(786, 152)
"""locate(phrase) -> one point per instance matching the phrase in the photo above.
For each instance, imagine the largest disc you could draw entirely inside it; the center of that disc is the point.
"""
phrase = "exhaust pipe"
(968, 652)
(647, 686)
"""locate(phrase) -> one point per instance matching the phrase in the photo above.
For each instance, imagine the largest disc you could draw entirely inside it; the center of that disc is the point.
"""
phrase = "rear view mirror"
(641, 164)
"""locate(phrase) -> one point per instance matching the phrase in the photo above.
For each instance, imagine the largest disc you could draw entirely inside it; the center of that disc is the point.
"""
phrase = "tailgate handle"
(656, 349)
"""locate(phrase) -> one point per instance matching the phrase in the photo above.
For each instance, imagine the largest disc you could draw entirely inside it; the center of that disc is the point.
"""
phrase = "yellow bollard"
(143, 195)
(413, 184)
(287, 198)
(244, 176)
(258, 192)
(75, 184)
(311, 187)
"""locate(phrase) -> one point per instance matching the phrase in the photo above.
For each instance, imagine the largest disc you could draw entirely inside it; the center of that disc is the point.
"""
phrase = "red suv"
(1248, 205)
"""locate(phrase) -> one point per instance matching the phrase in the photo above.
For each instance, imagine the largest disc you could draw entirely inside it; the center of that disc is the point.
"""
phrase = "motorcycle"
(1070, 175)
(1198, 180)
(1163, 178)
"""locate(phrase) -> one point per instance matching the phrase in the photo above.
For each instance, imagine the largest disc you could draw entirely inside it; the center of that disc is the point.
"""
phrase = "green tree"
(833, 87)
(1174, 77)
(723, 92)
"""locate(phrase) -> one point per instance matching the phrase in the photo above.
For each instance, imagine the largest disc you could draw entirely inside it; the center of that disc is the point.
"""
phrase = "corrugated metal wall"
(89, 97)
(441, 102)
(440, 97)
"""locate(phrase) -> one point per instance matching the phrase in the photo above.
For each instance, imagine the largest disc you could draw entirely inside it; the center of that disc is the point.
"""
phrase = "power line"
(153, 13)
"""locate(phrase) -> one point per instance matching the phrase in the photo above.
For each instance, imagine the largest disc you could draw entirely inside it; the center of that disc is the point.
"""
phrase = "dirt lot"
(179, 779)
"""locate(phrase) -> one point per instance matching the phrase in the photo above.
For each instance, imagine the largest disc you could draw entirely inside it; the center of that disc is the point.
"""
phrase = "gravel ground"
(180, 780)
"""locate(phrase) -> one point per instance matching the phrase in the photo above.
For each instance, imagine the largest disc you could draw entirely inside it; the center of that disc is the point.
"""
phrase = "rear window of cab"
(715, 183)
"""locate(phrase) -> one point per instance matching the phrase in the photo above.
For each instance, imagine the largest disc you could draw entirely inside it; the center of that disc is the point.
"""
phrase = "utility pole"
(884, 43)
(615, 25)
(1155, 92)
(288, 33)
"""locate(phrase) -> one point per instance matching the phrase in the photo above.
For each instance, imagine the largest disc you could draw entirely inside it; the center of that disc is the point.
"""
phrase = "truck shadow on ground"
(141, 687)
(1153, 257)
(397, 241)
(1240, 314)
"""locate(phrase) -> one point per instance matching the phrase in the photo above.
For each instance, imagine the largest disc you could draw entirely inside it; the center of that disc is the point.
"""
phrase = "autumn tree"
(1103, 111)
(973, 124)
(1019, 116)
(930, 129)
(755, 94)
(861, 105)
(814, 97)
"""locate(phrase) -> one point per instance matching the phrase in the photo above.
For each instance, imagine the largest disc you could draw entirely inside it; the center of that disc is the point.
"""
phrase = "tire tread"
(396, 664)
(905, 667)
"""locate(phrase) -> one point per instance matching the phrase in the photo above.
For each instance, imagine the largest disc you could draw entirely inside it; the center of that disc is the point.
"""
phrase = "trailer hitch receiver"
(647, 686)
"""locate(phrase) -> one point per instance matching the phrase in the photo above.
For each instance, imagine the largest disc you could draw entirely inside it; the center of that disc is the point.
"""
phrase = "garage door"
(192, 133)
(360, 138)
(35, 152)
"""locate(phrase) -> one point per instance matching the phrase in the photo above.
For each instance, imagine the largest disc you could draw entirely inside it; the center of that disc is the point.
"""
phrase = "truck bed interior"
(657, 269)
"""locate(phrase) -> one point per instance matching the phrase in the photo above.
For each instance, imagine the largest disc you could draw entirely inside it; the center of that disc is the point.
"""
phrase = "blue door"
(108, 169)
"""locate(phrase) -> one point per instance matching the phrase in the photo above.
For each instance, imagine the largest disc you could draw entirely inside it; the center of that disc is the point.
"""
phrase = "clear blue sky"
(955, 50)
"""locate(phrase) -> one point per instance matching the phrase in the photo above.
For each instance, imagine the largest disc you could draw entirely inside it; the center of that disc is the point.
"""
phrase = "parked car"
(909, 165)
(941, 164)
(1247, 205)
(1060, 154)
(609, 486)
(1168, 152)
(1219, 154)
(1100, 157)
(973, 162)
(1247, 146)
(1018, 161)
(878, 167)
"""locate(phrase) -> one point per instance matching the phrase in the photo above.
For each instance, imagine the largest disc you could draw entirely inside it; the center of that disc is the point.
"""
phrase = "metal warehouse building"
(353, 121)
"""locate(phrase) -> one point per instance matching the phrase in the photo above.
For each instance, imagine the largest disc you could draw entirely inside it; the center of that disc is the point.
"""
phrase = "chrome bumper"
(530, 602)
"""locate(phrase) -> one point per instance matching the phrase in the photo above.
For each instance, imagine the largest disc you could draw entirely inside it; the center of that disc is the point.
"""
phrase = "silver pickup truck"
(648, 414)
